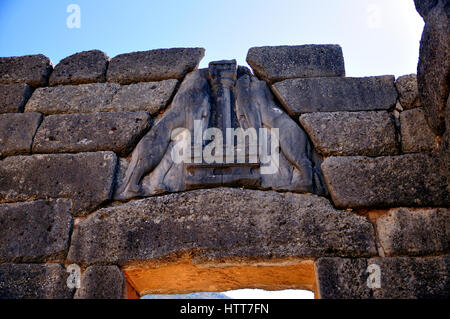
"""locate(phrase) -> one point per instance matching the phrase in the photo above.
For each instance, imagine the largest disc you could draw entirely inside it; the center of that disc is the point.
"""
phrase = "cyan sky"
(377, 36)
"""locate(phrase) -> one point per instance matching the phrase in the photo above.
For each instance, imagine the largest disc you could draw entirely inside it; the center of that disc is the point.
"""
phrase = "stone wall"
(67, 136)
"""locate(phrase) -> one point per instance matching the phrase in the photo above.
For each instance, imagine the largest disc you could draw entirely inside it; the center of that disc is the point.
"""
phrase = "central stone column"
(223, 77)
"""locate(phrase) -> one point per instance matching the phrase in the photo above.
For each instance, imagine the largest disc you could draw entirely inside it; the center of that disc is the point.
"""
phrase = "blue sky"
(377, 36)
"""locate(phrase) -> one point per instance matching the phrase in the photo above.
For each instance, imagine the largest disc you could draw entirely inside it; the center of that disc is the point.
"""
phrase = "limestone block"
(17, 131)
(36, 231)
(416, 135)
(219, 223)
(86, 178)
(406, 180)
(277, 63)
(31, 69)
(13, 97)
(154, 65)
(84, 98)
(145, 96)
(336, 94)
(406, 231)
(101, 282)
(351, 133)
(413, 278)
(34, 281)
(408, 92)
(80, 68)
(72, 133)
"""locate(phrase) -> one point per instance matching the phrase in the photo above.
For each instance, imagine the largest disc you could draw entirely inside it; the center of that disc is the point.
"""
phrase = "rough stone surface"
(406, 180)
(17, 131)
(433, 72)
(80, 68)
(34, 281)
(336, 94)
(341, 278)
(36, 231)
(424, 6)
(416, 135)
(413, 278)
(444, 151)
(13, 97)
(84, 98)
(31, 69)
(71, 133)
(154, 65)
(408, 92)
(278, 63)
(86, 178)
(219, 223)
(145, 96)
(351, 133)
(405, 231)
(101, 282)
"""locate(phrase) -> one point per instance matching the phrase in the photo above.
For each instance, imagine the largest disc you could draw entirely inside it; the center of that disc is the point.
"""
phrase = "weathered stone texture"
(36, 231)
(221, 223)
(154, 65)
(408, 92)
(341, 278)
(413, 278)
(31, 69)
(405, 231)
(351, 133)
(406, 180)
(71, 133)
(84, 98)
(416, 135)
(34, 281)
(424, 6)
(145, 96)
(13, 97)
(86, 178)
(300, 96)
(433, 70)
(80, 68)
(101, 282)
(17, 131)
(278, 63)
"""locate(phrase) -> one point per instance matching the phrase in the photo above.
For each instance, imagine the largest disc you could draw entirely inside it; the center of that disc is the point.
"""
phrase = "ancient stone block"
(351, 133)
(405, 231)
(34, 281)
(336, 94)
(278, 63)
(86, 178)
(413, 278)
(31, 69)
(219, 223)
(145, 96)
(36, 231)
(154, 65)
(433, 70)
(416, 135)
(13, 97)
(341, 278)
(101, 282)
(17, 131)
(71, 133)
(406, 180)
(408, 92)
(80, 68)
(84, 98)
